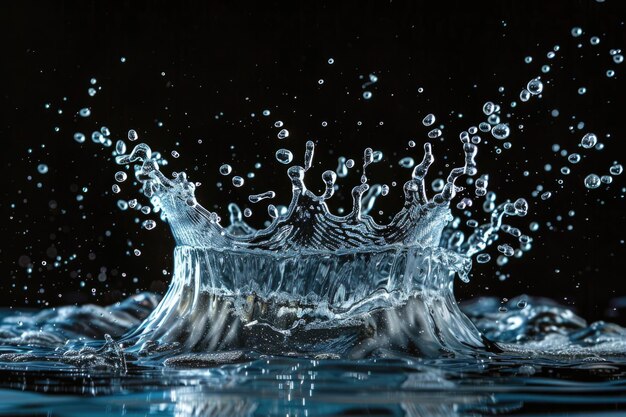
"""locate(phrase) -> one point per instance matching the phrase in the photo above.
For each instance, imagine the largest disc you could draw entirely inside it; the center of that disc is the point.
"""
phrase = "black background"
(201, 69)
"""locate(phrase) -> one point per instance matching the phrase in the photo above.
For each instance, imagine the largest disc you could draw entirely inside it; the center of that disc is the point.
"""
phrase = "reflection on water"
(503, 385)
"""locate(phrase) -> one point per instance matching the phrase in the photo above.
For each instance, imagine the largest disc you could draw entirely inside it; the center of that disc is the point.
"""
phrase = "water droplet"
(255, 198)
(132, 135)
(500, 131)
(266, 113)
(535, 86)
(546, 195)
(606, 179)
(582, 90)
(120, 176)
(350, 163)
(576, 32)
(367, 95)
(488, 108)
(284, 133)
(175, 154)
(589, 141)
(618, 59)
(238, 181)
(438, 185)
(84, 112)
(331, 61)
(435, 133)
(528, 59)
(592, 181)
(524, 95)
(483, 258)
(594, 40)
(506, 250)
(137, 252)
(610, 73)
(284, 156)
(428, 120)
(471, 222)
(616, 169)
(278, 123)
(226, 169)
(42, 168)
(407, 162)
(320, 81)
(79, 137)
(92, 91)
(149, 224)
(116, 188)
(574, 158)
